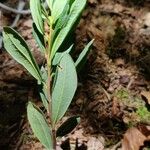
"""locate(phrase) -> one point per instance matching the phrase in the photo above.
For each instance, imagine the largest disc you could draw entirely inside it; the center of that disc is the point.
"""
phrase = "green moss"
(146, 148)
(137, 112)
(131, 124)
(127, 99)
(122, 94)
(143, 114)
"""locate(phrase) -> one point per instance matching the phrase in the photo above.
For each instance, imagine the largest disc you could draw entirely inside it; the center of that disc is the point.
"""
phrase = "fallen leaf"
(115, 106)
(124, 79)
(145, 130)
(95, 144)
(133, 139)
(27, 23)
(146, 95)
(120, 62)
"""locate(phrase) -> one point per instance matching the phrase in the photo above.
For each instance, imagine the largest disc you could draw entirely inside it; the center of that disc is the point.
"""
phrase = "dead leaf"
(95, 144)
(124, 79)
(145, 130)
(146, 95)
(115, 106)
(133, 139)
(120, 62)
(147, 19)
(27, 23)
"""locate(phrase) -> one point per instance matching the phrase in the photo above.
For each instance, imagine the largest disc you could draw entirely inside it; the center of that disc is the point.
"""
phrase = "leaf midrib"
(34, 114)
(68, 26)
(62, 91)
(30, 61)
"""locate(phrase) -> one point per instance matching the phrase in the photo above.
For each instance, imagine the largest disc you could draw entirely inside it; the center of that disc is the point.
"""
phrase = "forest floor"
(113, 97)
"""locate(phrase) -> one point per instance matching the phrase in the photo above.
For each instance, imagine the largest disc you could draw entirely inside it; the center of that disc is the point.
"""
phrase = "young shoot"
(57, 78)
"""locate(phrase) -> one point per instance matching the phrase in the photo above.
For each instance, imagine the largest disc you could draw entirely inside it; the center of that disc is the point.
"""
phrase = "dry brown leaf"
(27, 23)
(115, 106)
(145, 130)
(133, 139)
(95, 144)
(120, 62)
(148, 136)
(146, 95)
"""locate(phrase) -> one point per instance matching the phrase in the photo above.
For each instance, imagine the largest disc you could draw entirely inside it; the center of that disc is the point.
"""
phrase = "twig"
(18, 11)
(21, 5)
(105, 92)
(115, 147)
(1, 40)
(23, 12)
(130, 83)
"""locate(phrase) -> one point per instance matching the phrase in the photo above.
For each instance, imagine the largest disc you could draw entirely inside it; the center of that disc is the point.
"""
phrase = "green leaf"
(43, 97)
(42, 88)
(83, 56)
(61, 21)
(59, 55)
(36, 11)
(18, 49)
(43, 94)
(39, 125)
(58, 7)
(39, 38)
(65, 87)
(50, 3)
(75, 11)
(67, 126)
(63, 18)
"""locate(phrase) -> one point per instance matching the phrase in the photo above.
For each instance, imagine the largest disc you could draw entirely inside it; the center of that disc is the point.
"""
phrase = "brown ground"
(113, 98)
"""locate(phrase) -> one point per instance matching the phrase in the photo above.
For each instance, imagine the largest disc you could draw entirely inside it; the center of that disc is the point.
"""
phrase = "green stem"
(49, 76)
(49, 80)
(54, 139)
(49, 93)
(50, 108)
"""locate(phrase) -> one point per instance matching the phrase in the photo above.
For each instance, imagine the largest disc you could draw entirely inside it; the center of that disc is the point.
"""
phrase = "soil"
(113, 97)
